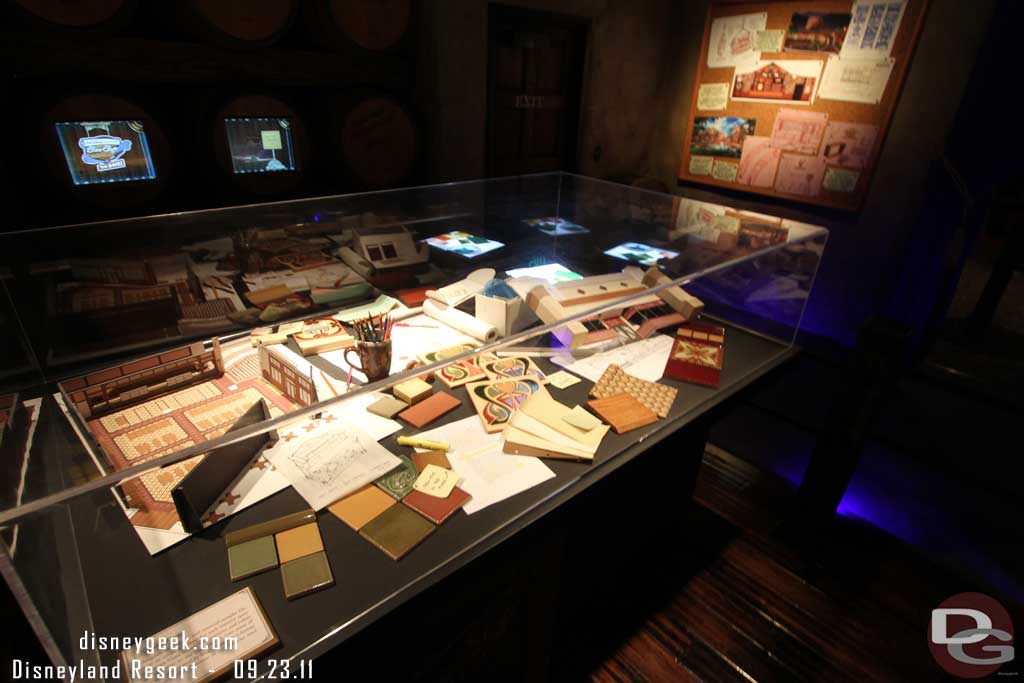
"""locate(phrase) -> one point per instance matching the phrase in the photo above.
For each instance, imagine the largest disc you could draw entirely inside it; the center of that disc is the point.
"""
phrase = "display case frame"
(758, 338)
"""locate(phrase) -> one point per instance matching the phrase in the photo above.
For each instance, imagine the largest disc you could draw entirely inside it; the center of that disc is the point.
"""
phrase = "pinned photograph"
(784, 81)
(817, 32)
(720, 136)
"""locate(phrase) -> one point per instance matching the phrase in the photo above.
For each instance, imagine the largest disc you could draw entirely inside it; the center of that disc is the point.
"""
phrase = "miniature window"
(389, 250)
(374, 253)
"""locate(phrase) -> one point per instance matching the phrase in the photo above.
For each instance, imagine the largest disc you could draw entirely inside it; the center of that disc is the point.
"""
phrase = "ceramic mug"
(374, 359)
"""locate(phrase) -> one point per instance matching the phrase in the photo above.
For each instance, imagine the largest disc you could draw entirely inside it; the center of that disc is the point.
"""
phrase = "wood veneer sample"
(623, 412)
(439, 458)
(437, 510)
(412, 391)
(426, 411)
(361, 507)
(298, 542)
(615, 381)
(397, 531)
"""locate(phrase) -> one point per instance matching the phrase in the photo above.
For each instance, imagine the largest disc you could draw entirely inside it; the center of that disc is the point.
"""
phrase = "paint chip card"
(562, 379)
(436, 481)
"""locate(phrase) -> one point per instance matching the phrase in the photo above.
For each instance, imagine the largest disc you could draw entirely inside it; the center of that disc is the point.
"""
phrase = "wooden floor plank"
(746, 599)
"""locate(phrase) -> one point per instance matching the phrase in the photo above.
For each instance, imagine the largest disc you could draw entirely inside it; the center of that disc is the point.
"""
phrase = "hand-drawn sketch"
(327, 460)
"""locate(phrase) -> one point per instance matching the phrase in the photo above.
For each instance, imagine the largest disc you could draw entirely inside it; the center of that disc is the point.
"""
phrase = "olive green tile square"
(306, 575)
(252, 557)
(397, 530)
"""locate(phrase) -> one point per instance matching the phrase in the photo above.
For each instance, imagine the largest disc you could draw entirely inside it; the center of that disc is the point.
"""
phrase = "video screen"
(552, 272)
(642, 254)
(260, 144)
(463, 243)
(105, 151)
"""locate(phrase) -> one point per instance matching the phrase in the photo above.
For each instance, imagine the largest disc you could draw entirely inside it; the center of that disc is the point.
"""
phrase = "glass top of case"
(84, 300)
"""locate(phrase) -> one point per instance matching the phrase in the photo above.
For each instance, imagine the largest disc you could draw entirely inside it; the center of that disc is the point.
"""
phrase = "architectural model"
(639, 319)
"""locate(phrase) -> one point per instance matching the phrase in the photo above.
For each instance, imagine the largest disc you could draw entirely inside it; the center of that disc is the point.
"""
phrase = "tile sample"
(399, 482)
(306, 575)
(412, 391)
(397, 531)
(426, 411)
(421, 460)
(387, 406)
(298, 542)
(252, 557)
(437, 510)
(362, 506)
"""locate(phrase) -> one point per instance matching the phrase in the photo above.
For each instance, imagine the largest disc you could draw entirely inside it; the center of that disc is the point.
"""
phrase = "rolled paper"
(356, 262)
(463, 322)
(415, 442)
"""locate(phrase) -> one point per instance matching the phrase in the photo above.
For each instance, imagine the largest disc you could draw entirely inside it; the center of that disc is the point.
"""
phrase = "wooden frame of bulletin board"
(805, 154)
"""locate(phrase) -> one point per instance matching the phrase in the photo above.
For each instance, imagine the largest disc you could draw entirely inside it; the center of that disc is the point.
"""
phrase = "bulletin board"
(790, 103)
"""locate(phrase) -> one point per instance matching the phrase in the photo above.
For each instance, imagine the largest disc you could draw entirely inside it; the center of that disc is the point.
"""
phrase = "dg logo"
(971, 635)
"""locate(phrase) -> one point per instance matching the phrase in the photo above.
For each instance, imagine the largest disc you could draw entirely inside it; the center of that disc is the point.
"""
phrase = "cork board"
(803, 145)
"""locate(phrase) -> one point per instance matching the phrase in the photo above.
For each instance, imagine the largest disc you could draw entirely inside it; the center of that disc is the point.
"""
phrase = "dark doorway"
(534, 78)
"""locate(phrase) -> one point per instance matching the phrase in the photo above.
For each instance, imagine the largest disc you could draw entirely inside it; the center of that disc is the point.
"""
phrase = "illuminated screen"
(463, 243)
(552, 272)
(260, 144)
(105, 151)
(643, 254)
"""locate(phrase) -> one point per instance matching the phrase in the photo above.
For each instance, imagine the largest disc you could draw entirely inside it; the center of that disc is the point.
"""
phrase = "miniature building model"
(286, 377)
(388, 247)
(123, 385)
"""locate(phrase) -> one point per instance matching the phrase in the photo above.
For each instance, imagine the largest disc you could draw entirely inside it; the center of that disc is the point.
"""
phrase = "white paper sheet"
(409, 338)
(731, 42)
(330, 461)
(873, 28)
(855, 80)
(237, 616)
(644, 359)
(488, 475)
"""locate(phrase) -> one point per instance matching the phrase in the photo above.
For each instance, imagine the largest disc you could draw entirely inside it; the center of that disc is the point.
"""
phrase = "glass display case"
(172, 381)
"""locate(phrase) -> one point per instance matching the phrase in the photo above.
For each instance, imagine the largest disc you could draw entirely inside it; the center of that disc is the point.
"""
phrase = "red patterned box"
(697, 354)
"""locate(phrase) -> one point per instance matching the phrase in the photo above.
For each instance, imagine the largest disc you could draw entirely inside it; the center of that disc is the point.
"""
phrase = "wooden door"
(535, 72)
